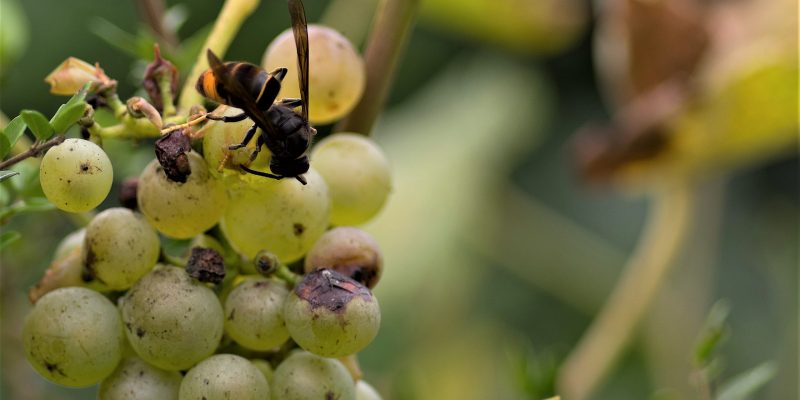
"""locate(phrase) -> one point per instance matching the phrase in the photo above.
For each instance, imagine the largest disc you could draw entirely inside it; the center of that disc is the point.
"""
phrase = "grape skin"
(336, 72)
(120, 247)
(358, 176)
(73, 337)
(254, 314)
(171, 320)
(350, 251)
(364, 391)
(76, 175)
(283, 217)
(135, 379)
(306, 376)
(181, 210)
(224, 377)
(218, 136)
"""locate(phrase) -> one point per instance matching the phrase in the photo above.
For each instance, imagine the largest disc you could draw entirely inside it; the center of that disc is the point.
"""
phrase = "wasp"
(284, 132)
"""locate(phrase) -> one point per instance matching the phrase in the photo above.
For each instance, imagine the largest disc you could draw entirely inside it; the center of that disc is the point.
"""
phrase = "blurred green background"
(498, 255)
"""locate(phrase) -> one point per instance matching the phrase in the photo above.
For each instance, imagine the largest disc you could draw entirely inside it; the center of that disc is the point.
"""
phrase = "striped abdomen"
(262, 86)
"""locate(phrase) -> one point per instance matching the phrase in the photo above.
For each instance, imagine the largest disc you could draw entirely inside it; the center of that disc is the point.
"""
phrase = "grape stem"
(230, 19)
(393, 22)
(36, 149)
(645, 273)
(285, 274)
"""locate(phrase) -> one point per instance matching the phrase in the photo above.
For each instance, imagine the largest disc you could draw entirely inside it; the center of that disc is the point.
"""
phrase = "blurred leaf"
(190, 48)
(535, 372)
(71, 111)
(13, 34)
(7, 174)
(35, 204)
(5, 148)
(744, 385)
(11, 134)
(38, 124)
(713, 334)
(139, 46)
(8, 237)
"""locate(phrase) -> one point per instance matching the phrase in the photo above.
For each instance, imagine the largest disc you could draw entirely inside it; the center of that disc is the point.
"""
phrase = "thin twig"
(393, 22)
(34, 151)
(152, 12)
(643, 276)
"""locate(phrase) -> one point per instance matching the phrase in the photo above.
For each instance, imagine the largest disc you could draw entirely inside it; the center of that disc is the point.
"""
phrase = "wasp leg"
(247, 137)
(264, 174)
(227, 118)
(291, 103)
(259, 143)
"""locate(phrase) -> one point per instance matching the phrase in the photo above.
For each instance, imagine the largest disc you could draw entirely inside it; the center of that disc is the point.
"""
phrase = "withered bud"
(266, 263)
(127, 193)
(349, 251)
(206, 265)
(171, 152)
(139, 108)
(156, 71)
(72, 74)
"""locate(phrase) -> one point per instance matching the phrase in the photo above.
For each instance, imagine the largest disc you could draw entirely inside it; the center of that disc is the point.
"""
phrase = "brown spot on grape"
(298, 228)
(85, 167)
(140, 332)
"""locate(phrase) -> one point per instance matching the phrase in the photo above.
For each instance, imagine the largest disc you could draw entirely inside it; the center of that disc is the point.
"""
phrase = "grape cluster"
(291, 303)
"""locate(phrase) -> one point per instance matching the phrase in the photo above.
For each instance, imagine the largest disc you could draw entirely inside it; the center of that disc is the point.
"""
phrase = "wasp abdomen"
(262, 86)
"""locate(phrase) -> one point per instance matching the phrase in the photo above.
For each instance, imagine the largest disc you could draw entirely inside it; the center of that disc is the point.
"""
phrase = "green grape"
(254, 314)
(304, 376)
(358, 176)
(73, 337)
(120, 247)
(336, 74)
(283, 217)
(331, 315)
(366, 392)
(218, 136)
(181, 210)
(171, 320)
(135, 379)
(224, 377)
(351, 252)
(265, 368)
(76, 175)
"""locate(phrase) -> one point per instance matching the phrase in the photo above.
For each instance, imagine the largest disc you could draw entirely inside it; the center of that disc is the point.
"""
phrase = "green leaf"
(8, 237)
(12, 133)
(114, 35)
(38, 124)
(713, 334)
(744, 385)
(71, 111)
(7, 174)
(5, 147)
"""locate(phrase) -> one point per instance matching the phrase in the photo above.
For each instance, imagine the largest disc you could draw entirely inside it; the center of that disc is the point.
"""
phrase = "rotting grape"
(120, 247)
(73, 337)
(135, 379)
(76, 175)
(284, 217)
(224, 377)
(181, 210)
(254, 314)
(304, 376)
(331, 315)
(350, 251)
(358, 176)
(171, 320)
(336, 76)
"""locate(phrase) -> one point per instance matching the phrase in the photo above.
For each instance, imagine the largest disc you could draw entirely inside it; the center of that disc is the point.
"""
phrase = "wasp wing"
(235, 89)
(300, 30)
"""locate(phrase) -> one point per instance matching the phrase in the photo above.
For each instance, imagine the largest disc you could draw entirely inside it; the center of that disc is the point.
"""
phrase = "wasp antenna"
(302, 179)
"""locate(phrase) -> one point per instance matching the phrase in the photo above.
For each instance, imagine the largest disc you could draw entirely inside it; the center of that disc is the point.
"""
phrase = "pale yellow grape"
(284, 217)
(358, 176)
(304, 376)
(224, 377)
(254, 314)
(135, 379)
(265, 368)
(171, 320)
(336, 72)
(69, 243)
(181, 210)
(120, 247)
(76, 175)
(73, 337)
(364, 391)
(218, 136)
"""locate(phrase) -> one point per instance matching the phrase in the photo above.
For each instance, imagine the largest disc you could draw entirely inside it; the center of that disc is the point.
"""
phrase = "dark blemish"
(330, 289)
(141, 372)
(54, 368)
(230, 317)
(329, 395)
(206, 265)
(85, 166)
(140, 332)
(298, 229)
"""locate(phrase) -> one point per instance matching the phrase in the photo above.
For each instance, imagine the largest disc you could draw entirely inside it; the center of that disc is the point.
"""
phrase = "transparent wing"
(300, 30)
